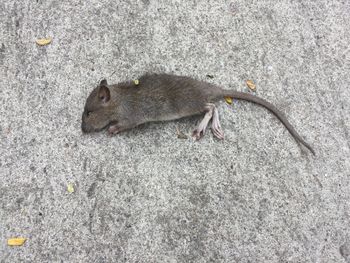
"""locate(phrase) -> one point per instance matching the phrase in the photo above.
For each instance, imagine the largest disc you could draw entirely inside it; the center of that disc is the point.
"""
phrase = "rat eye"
(88, 113)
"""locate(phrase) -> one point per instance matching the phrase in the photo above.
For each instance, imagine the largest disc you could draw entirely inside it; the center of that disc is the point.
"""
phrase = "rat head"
(98, 111)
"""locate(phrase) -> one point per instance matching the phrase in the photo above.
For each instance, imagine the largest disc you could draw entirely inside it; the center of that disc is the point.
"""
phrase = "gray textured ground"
(145, 195)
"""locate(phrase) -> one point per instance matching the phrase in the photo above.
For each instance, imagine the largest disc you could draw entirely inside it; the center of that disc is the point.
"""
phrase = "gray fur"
(159, 97)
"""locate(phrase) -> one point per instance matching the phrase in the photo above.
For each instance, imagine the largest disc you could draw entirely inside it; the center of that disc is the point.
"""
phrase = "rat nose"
(85, 127)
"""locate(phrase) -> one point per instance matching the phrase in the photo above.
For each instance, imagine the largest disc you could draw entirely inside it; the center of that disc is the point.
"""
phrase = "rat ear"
(103, 82)
(104, 94)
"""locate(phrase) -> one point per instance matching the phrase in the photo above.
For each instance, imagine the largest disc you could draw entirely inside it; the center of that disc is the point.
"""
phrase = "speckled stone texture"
(145, 195)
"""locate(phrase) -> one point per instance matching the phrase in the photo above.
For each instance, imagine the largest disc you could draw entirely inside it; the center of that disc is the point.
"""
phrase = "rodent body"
(163, 97)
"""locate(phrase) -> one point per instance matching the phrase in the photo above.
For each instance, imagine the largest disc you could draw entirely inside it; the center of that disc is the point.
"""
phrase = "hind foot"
(201, 128)
(215, 125)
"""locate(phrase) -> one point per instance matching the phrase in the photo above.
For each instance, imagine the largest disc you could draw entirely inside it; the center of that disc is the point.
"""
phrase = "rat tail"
(251, 98)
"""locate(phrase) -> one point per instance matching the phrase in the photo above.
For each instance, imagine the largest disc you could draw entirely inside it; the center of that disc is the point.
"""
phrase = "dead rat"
(163, 97)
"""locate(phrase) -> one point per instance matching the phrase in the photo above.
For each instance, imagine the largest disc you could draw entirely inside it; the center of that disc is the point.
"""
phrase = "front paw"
(114, 129)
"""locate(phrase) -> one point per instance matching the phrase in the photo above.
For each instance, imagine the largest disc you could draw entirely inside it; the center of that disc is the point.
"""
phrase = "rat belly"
(173, 115)
(168, 117)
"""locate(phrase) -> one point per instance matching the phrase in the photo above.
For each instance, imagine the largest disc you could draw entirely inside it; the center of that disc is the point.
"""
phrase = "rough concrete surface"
(145, 195)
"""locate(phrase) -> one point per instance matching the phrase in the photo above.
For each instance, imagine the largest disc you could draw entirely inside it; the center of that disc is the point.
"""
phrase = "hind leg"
(215, 125)
(200, 130)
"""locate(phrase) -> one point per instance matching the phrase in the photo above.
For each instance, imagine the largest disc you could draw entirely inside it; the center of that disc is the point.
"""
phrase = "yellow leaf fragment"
(16, 241)
(70, 188)
(136, 82)
(228, 100)
(44, 41)
(251, 84)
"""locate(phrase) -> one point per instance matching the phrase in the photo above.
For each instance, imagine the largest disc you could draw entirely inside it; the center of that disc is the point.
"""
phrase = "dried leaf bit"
(70, 188)
(251, 85)
(44, 41)
(16, 241)
(228, 100)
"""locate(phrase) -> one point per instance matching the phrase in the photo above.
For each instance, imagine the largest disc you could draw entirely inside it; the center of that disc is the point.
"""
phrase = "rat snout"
(86, 128)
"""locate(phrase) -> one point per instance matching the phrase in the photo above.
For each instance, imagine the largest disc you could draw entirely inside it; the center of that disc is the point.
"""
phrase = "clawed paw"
(113, 130)
(198, 134)
(218, 133)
